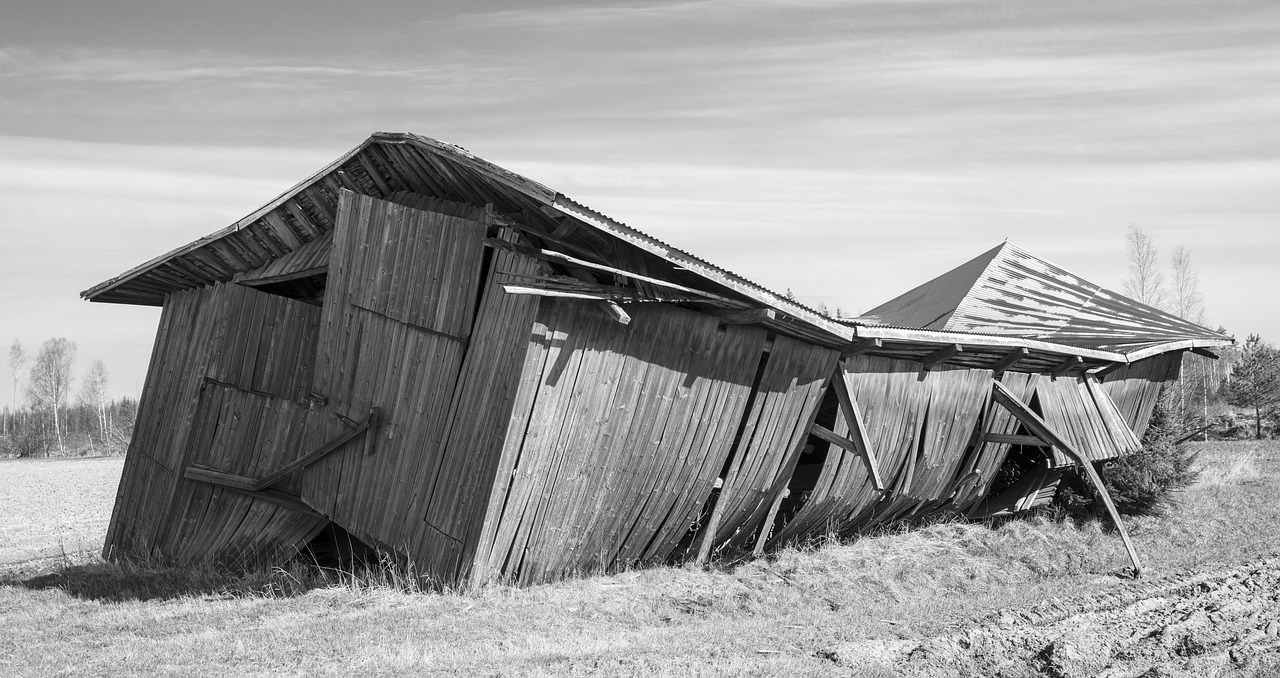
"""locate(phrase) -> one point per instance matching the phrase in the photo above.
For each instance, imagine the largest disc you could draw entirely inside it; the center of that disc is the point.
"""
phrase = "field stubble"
(1026, 597)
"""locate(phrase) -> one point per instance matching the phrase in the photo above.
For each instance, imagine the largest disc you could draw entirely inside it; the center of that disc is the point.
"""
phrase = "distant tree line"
(55, 418)
(1212, 394)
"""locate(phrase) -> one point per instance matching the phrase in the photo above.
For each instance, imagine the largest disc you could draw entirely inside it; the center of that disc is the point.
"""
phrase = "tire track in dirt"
(1223, 622)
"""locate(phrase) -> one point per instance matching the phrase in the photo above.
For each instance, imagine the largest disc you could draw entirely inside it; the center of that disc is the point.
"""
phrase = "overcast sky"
(845, 150)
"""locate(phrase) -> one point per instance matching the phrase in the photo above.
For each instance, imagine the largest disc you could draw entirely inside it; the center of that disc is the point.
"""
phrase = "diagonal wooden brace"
(1040, 429)
(244, 484)
(857, 428)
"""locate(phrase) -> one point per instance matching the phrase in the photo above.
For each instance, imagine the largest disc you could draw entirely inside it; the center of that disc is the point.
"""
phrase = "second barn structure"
(439, 358)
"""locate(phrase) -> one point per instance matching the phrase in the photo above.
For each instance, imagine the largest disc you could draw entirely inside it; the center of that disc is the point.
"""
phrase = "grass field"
(835, 609)
(51, 508)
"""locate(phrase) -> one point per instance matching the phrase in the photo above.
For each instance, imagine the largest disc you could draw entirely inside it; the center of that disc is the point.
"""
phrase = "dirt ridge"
(1221, 622)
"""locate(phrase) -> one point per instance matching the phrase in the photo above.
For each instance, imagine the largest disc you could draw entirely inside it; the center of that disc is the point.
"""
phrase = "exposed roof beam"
(743, 316)
(1066, 366)
(861, 346)
(941, 355)
(1200, 350)
(1009, 360)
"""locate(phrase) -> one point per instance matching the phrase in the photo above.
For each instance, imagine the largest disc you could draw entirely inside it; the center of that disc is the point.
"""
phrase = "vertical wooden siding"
(773, 435)
(617, 436)
(926, 453)
(402, 290)
(988, 457)
(248, 421)
(452, 503)
(245, 360)
(1135, 388)
(172, 388)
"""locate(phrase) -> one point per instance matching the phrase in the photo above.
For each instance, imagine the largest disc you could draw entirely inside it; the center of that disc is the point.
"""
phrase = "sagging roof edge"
(991, 340)
(589, 217)
(138, 270)
(531, 189)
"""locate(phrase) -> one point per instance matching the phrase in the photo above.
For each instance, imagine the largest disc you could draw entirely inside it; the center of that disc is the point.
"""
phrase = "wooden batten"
(1009, 439)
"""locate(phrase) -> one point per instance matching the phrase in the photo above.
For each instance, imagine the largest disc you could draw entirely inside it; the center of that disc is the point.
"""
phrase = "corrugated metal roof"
(390, 164)
(1017, 294)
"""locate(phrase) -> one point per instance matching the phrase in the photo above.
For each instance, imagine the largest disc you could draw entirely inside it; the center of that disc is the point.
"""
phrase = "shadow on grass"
(111, 582)
(142, 580)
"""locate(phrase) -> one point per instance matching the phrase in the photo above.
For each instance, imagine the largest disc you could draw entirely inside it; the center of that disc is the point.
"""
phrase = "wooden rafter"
(941, 355)
(744, 316)
(1009, 360)
(1074, 362)
(861, 346)
(1042, 430)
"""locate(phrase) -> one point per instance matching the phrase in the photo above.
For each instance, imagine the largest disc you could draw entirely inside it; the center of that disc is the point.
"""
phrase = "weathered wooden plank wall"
(402, 291)
(1135, 388)
(988, 457)
(783, 408)
(616, 439)
(245, 361)
(452, 503)
(248, 421)
(1067, 405)
(172, 388)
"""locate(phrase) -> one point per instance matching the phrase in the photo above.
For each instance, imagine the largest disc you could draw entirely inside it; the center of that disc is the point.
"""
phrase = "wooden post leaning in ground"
(1040, 429)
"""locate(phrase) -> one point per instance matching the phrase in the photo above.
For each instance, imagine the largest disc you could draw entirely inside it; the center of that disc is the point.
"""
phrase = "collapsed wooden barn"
(463, 367)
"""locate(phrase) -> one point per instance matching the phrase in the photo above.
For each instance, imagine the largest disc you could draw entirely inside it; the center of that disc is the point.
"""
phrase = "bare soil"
(1220, 623)
(54, 510)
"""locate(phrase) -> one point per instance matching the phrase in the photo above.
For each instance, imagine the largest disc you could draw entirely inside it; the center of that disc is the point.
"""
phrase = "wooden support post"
(1040, 429)
(941, 355)
(857, 428)
(861, 346)
(1066, 366)
(1009, 360)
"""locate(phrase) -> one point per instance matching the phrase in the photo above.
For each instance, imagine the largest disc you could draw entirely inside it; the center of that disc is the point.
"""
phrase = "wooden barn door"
(399, 306)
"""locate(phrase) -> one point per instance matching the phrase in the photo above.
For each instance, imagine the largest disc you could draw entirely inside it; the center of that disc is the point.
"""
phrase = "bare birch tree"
(1145, 282)
(1187, 301)
(93, 394)
(17, 365)
(51, 380)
